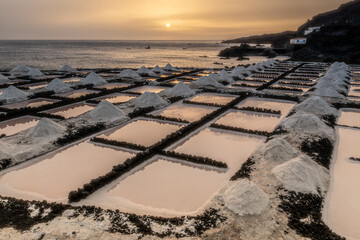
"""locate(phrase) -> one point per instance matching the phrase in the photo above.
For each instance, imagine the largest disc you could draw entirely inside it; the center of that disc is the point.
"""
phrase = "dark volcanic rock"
(278, 40)
(270, 53)
(246, 50)
(332, 43)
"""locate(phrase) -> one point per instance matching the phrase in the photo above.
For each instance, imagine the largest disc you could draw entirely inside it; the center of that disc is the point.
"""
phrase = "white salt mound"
(94, 79)
(149, 99)
(12, 95)
(307, 123)
(157, 69)
(58, 86)
(169, 67)
(240, 71)
(4, 151)
(106, 111)
(213, 76)
(144, 71)
(328, 92)
(316, 105)
(179, 90)
(302, 174)
(20, 69)
(46, 128)
(225, 77)
(277, 150)
(252, 68)
(130, 74)
(3, 78)
(34, 72)
(153, 83)
(205, 82)
(335, 81)
(67, 68)
(245, 198)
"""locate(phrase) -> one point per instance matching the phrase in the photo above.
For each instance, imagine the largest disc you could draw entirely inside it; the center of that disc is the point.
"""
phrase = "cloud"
(145, 19)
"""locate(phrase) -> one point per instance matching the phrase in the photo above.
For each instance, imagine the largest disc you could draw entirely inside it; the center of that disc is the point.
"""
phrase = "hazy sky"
(147, 19)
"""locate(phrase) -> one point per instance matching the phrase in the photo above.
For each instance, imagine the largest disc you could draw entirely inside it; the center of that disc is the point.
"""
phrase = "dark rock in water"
(240, 51)
(218, 63)
(241, 58)
(278, 40)
(247, 50)
(269, 53)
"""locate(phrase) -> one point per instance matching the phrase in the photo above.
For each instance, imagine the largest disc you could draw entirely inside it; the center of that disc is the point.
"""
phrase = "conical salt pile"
(94, 79)
(58, 86)
(179, 90)
(46, 128)
(106, 111)
(205, 82)
(149, 99)
(157, 69)
(34, 72)
(3, 79)
(316, 105)
(67, 68)
(169, 67)
(12, 95)
(143, 71)
(223, 76)
(20, 69)
(128, 73)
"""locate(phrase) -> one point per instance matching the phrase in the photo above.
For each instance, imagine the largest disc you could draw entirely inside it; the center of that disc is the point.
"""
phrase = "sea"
(51, 55)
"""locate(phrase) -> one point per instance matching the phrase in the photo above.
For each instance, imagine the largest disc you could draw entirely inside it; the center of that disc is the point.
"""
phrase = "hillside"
(274, 38)
(347, 14)
(338, 39)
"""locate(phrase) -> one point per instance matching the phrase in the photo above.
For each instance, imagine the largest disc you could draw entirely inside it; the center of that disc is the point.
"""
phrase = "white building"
(298, 41)
(311, 29)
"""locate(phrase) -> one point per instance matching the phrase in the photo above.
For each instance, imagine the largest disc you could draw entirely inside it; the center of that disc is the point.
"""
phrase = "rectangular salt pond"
(163, 187)
(34, 103)
(354, 92)
(110, 86)
(71, 111)
(212, 98)
(174, 82)
(230, 147)
(116, 98)
(77, 93)
(349, 117)
(283, 92)
(289, 86)
(248, 83)
(54, 175)
(36, 85)
(274, 104)
(16, 125)
(142, 131)
(154, 89)
(186, 112)
(250, 120)
(342, 203)
(71, 80)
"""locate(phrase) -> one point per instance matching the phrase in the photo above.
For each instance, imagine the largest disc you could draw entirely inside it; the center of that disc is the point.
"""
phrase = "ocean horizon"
(52, 54)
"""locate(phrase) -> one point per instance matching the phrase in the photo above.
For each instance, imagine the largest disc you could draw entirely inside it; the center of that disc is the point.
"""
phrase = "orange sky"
(147, 19)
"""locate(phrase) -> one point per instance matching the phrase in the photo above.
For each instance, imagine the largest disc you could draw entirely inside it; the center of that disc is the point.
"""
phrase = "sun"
(168, 25)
